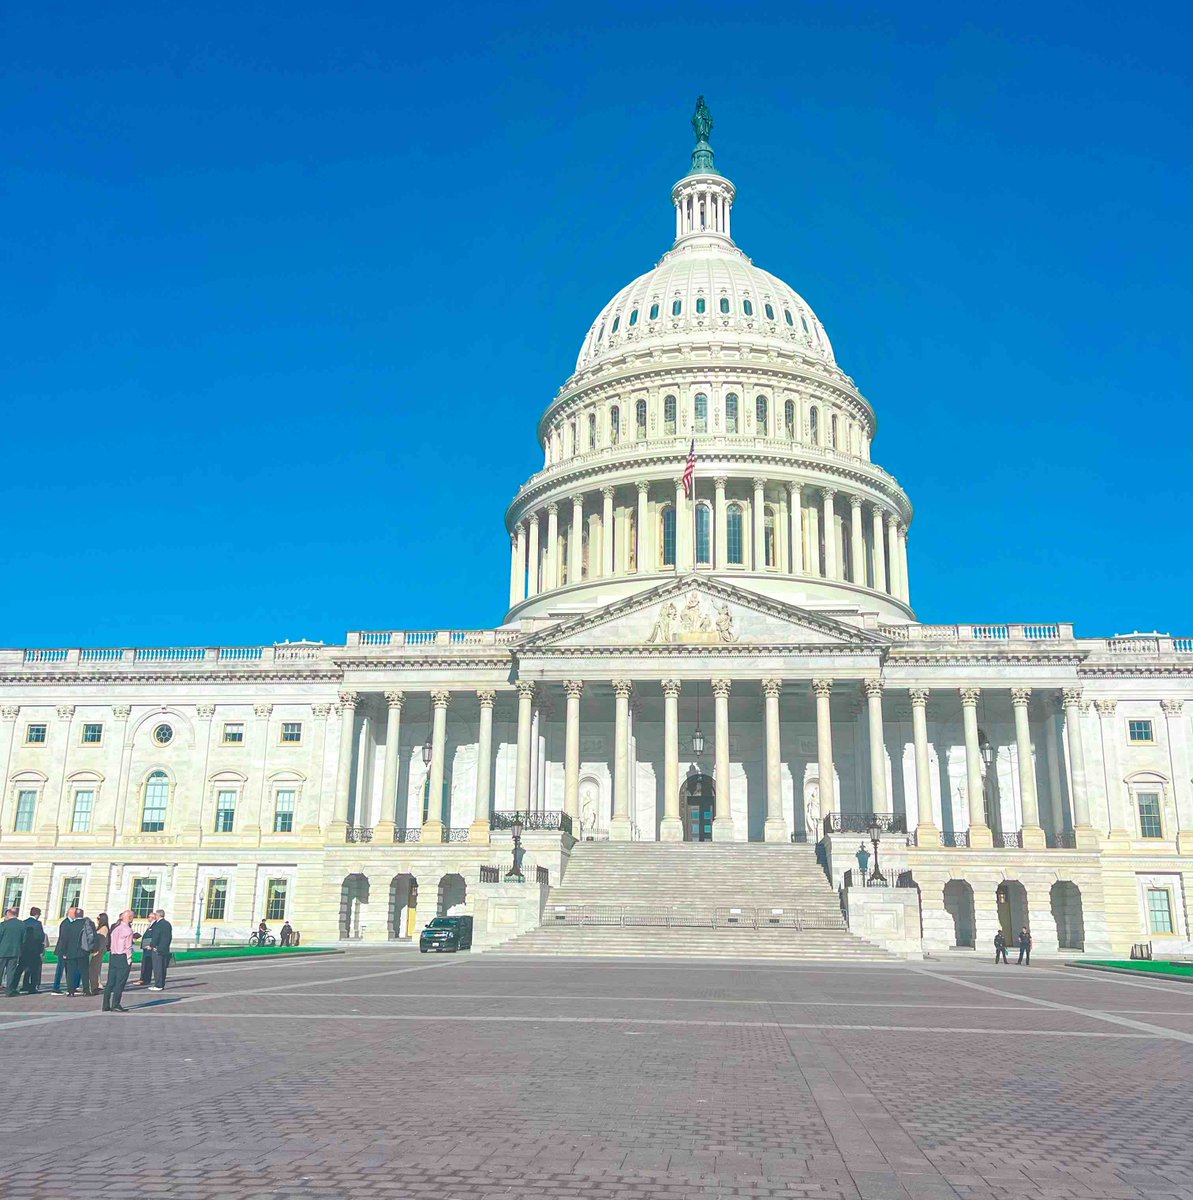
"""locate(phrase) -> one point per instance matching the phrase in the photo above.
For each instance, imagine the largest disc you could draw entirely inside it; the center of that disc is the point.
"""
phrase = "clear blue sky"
(263, 262)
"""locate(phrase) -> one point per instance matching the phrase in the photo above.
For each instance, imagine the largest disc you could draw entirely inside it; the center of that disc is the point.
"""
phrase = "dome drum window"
(700, 407)
(676, 307)
(770, 313)
(731, 413)
(762, 416)
(669, 413)
(747, 308)
(787, 315)
(633, 318)
(640, 419)
(654, 312)
(725, 305)
(700, 304)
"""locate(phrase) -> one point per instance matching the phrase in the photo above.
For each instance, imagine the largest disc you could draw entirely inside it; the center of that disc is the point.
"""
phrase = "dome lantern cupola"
(703, 199)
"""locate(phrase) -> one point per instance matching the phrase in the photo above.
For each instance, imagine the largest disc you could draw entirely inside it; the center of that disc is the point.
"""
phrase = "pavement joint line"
(1175, 1035)
(480, 1018)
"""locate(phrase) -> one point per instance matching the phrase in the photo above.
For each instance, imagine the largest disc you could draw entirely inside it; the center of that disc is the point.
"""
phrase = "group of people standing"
(1000, 947)
(80, 949)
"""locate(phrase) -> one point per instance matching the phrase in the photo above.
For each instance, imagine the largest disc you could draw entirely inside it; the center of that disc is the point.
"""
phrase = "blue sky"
(263, 263)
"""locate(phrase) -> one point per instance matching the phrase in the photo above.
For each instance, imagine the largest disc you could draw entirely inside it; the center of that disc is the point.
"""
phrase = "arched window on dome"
(676, 307)
(804, 322)
(787, 315)
(731, 413)
(667, 536)
(700, 304)
(669, 407)
(616, 322)
(833, 430)
(769, 542)
(725, 305)
(615, 425)
(654, 312)
(789, 418)
(573, 444)
(733, 538)
(592, 431)
(814, 425)
(602, 332)
(701, 410)
(747, 308)
(762, 416)
(703, 534)
(770, 313)
(640, 419)
(633, 318)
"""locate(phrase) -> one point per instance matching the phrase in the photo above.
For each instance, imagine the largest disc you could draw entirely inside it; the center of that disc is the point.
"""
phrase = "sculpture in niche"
(812, 809)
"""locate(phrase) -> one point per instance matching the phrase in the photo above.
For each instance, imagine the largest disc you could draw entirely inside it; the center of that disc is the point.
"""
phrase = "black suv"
(446, 933)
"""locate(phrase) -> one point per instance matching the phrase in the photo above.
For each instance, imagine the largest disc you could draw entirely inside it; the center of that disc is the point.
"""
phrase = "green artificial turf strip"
(1143, 964)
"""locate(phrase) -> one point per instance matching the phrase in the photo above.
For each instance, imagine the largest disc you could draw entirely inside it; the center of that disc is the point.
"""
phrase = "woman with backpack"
(103, 939)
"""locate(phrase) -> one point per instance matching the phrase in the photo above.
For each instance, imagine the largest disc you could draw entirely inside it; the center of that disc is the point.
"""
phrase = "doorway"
(697, 804)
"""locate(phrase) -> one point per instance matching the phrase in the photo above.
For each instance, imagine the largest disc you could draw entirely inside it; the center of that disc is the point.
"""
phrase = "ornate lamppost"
(876, 876)
(514, 874)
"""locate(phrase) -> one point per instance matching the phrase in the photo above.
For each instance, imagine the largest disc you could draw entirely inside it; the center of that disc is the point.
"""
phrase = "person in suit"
(12, 935)
(147, 952)
(287, 934)
(64, 938)
(163, 935)
(95, 960)
(77, 954)
(33, 949)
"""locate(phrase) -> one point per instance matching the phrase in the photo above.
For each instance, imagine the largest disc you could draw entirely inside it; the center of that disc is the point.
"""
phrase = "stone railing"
(1061, 631)
(400, 639)
(127, 657)
(861, 823)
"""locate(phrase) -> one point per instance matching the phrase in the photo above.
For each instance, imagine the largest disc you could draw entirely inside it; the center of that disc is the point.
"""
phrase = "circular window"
(163, 735)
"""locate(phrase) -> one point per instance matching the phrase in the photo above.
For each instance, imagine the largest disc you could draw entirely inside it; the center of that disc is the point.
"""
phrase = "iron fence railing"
(1009, 841)
(490, 875)
(460, 833)
(359, 833)
(645, 916)
(550, 820)
(954, 838)
(1064, 839)
(861, 822)
(408, 835)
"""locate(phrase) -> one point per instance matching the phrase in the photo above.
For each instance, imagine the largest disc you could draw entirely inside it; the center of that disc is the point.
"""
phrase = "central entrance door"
(697, 803)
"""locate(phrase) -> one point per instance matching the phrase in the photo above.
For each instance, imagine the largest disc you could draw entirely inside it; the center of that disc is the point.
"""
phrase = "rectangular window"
(283, 811)
(1140, 731)
(217, 899)
(35, 735)
(93, 733)
(80, 818)
(14, 888)
(233, 733)
(291, 732)
(701, 409)
(1149, 815)
(157, 793)
(72, 893)
(275, 900)
(144, 894)
(225, 811)
(1159, 910)
(703, 535)
(26, 804)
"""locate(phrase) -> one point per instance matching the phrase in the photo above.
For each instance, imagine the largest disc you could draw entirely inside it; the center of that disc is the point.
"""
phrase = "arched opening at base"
(403, 904)
(958, 903)
(1011, 899)
(354, 895)
(452, 894)
(1068, 914)
(697, 801)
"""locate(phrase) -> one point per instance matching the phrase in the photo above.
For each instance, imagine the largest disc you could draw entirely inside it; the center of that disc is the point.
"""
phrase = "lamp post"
(515, 871)
(697, 734)
(876, 876)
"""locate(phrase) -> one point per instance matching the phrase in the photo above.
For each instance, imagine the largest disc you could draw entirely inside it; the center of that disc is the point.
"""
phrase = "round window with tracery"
(163, 735)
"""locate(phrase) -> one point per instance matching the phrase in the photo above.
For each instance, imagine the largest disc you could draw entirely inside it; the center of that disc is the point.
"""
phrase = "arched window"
(761, 415)
(615, 425)
(669, 407)
(592, 431)
(616, 322)
(725, 304)
(640, 418)
(833, 430)
(814, 425)
(701, 406)
(573, 444)
(700, 304)
(634, 318)
(747, 308)
(787, 315)
(703, 535)
(733, 540)
(654, 312)
(157, 793)
(770, 545)
(731, 413)
(789, 418)
(676, 307)
(602, 333)
(667, 535)
(804, 322)
(770, 313)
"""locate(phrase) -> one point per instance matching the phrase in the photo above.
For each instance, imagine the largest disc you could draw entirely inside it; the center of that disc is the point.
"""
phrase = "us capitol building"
(738, 666)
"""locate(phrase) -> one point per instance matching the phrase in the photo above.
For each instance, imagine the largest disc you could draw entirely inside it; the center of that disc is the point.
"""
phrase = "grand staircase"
(695, 900)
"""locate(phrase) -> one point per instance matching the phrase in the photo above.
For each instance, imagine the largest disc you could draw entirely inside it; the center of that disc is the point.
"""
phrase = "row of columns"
(535, 568)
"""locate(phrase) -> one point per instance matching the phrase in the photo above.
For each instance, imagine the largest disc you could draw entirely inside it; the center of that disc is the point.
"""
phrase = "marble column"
(857, 539)
(552, 580)
(1118, 820)
(775, 829)
(576, 541)
(434, 826)
(683, 529)
(894, 588)
(980, 835)
(479, 831)
(1178, 758)
(926, 833)
(536, 720)
(719, 531)
(607, 532)
(759, 524)
(347, 710)
(878, 548)
(1056, 815)
(621, 827)
(1087, 838)
(671, 829)
(574, 689)
(722, 825)
(879, 799)
(823, 689)
(640, 529)
(525, 690)
(515, 581)
(1033, 834)
(901, 549)
(829, 530)
(384, 830)
(795, 514)
(532, 565)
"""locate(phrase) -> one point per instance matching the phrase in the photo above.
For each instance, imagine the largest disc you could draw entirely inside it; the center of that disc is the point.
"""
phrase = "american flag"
(689, 471)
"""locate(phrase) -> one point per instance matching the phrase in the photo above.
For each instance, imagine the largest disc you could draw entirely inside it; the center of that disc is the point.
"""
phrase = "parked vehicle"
(446, 933)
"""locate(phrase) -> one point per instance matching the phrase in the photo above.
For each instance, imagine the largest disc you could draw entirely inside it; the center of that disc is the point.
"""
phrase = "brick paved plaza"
(383, 1073)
